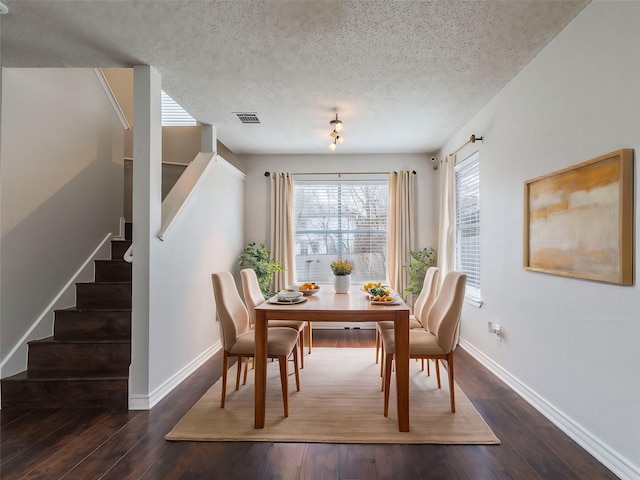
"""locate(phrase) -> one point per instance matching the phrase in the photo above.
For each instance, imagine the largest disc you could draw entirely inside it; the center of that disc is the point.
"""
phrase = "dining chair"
(253, 297)
(420, 309)
(440, 341)
(238, 339)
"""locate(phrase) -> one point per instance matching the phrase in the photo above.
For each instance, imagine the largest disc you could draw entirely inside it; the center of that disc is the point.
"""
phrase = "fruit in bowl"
(287, 296)
(379, 291)
(309, 288)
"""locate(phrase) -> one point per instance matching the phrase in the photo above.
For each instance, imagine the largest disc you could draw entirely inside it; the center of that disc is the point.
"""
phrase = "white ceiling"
(404, 75)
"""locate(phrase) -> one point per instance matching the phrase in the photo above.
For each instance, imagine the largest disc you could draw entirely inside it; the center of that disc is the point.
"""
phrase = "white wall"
(570, 346)
(61, 190)
(206, 238)
(256, 214)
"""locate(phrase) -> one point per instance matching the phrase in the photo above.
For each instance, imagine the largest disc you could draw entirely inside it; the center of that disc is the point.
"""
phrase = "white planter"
(341, 283)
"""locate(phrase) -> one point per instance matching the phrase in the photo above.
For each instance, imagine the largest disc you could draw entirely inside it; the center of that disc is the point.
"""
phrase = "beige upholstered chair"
(238, 338)
(253, 297)
(420, 308)
(440, 341)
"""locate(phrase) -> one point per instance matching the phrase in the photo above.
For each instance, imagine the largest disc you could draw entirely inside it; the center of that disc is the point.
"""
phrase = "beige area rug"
(340, 401)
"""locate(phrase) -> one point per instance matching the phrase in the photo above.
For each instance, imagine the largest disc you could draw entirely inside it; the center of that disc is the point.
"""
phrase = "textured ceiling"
(404, 75)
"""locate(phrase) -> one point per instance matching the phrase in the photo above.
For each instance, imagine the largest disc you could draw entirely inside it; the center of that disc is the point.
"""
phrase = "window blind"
(341, 221)
(173, 115)
(468, 222)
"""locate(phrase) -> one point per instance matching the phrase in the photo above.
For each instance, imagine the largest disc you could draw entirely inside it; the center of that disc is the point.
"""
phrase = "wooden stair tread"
(64, 375)
(78, 340)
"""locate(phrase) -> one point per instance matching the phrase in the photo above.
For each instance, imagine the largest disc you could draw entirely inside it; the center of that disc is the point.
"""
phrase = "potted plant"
(417, 267)
(342, 276)
(257, 258)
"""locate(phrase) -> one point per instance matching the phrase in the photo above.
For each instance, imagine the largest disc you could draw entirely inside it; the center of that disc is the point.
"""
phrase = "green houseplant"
(257, 258)
(417, 267)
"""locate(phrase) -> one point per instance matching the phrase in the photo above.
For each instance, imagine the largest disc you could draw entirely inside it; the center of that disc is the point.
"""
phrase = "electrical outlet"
(495, 329)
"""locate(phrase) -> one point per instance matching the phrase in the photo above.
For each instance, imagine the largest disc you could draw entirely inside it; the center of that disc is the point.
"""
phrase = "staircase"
(86, 361)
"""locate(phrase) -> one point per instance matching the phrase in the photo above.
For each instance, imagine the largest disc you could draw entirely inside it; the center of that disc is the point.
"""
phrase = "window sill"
(474, 301)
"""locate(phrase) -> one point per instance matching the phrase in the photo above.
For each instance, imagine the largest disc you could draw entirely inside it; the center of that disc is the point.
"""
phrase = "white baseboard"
(121, 235)
(147, 402)
(611, 459)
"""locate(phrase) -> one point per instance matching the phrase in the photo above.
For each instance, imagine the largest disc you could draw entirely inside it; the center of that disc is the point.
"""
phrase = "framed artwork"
(578, 221)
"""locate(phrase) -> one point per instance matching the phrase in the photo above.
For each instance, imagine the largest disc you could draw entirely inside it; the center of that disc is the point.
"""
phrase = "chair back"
(444, 315)
(427, 295)
(233, 315)
(251, 290)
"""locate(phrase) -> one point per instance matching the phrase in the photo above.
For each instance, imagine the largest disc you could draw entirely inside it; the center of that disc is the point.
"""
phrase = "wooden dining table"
(328, 306)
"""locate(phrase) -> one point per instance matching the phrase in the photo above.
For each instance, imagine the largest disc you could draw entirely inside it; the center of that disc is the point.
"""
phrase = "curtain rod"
(268, 174)
(472, 139)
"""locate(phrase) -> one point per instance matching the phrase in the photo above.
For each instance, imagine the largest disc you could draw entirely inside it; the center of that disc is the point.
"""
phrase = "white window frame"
(173, 115)
(357, 276)
(467, 260)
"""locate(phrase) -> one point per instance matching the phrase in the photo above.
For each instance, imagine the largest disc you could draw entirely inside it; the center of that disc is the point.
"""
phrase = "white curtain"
(401, 230)
(447, 239)
(282, 229)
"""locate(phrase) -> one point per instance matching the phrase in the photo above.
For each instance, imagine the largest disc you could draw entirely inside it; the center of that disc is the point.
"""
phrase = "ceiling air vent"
(247, 117)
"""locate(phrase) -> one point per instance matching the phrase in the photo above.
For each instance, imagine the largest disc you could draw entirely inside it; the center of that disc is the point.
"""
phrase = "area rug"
(340, 401)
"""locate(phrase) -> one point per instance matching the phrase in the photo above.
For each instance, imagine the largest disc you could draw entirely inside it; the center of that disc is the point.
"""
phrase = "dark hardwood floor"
(120, 444)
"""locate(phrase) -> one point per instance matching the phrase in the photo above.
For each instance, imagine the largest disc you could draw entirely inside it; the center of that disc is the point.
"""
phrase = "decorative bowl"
(309, 288)
(285, 296)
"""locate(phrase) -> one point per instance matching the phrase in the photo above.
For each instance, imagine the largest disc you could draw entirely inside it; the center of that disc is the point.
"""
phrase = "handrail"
(128, 255)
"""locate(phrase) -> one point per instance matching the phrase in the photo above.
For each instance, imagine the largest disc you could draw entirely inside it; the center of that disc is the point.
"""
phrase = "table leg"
(260, 368)
(402, 368)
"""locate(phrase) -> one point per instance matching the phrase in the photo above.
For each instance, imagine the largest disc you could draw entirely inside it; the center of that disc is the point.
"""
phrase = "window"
(173, 115)
(341, 220)
(468, 222)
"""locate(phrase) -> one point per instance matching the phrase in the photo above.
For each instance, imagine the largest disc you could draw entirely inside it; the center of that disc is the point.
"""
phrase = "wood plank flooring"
(120, 444)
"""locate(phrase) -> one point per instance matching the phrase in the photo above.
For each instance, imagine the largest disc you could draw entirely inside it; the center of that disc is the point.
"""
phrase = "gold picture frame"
(578, 221)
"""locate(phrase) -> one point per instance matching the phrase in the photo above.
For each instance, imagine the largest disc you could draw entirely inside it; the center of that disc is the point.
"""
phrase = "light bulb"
(339, 139)
(338, 126)
(332, 146)
(333, 134)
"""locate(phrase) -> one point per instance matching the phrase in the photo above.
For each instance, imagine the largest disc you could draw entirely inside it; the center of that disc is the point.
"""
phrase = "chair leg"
(451, 385)
(239, 371)
(284, 382)
(225, 366)
(382, 356)
(388, 360)
(437, 371)
(422, 365)
(377, 344)
(310, 328)
(428, 368)
(295, 366)
(246, 369)
(301, 342)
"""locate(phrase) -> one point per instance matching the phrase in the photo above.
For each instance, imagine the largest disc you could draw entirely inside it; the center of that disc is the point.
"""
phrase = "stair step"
(78, 355)
(92, 323)
(118, 248)
(112, 271)
(103, 295)
(67, 390)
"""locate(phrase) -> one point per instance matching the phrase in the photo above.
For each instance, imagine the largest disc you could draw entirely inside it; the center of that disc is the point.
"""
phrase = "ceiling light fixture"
(337, 139)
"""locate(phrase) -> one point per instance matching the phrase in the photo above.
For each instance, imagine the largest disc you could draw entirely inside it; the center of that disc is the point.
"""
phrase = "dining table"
(328, 306)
